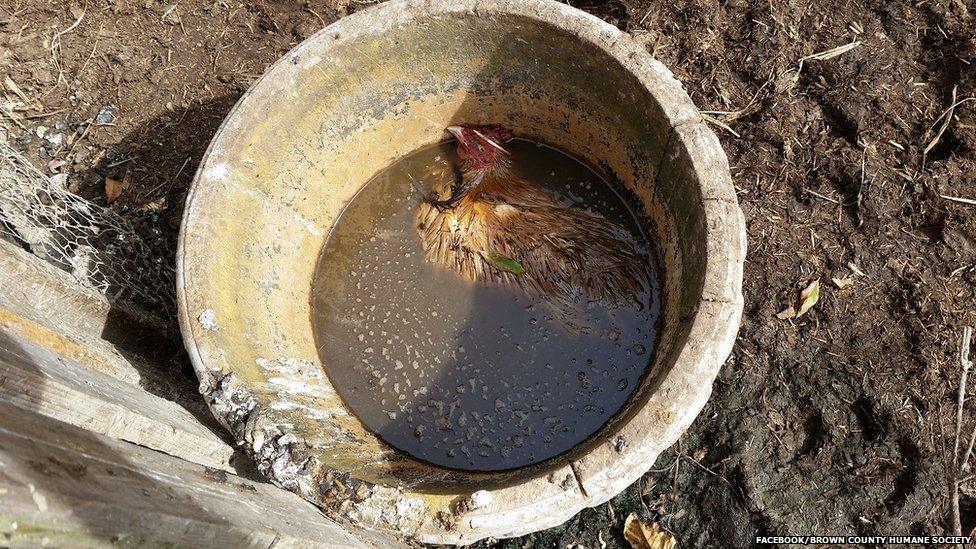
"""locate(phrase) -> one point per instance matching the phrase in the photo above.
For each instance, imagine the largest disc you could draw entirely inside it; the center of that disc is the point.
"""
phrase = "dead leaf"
(153, 205)
(809, 297)
(842, 283)
(647, 536)
(787, 313)
(113, 189)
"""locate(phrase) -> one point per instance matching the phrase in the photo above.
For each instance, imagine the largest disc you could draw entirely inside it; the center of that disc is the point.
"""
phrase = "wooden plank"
(34, 377)
(33, 288)
(66, 486)
(54, 360)
(47, 306)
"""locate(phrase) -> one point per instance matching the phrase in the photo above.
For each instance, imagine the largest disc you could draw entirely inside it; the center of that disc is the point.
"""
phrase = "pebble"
(54, 138)
(106, 115)
(59, 180)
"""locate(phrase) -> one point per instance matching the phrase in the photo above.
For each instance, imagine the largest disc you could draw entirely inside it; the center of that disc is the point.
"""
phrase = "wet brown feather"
(570, 255)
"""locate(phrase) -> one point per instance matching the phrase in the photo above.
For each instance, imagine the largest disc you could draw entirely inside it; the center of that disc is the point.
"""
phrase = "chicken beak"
(455, 131)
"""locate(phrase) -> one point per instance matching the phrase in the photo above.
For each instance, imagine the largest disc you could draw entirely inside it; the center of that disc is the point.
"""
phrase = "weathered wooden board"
(33, 288)
(54, 360)
(35, 378)
(65, 486)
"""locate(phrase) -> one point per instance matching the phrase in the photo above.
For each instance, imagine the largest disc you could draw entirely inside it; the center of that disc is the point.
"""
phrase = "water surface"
(471, 376)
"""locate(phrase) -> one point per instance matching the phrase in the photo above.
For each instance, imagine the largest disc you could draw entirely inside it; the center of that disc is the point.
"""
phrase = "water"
(470, 376)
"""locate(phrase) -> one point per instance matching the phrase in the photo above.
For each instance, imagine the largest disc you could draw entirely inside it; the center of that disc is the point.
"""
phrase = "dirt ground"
(833, 423)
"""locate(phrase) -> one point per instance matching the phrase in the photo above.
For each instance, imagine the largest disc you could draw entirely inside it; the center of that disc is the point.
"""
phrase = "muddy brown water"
(470, 375)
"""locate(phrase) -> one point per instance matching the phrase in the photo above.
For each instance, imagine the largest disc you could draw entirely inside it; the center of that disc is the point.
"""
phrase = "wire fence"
(99, 247)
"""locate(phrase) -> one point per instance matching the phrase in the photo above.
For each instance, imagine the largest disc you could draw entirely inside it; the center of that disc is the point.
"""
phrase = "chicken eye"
(479, 147)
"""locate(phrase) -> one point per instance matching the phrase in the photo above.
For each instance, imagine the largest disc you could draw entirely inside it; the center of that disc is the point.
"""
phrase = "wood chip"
(842, 283)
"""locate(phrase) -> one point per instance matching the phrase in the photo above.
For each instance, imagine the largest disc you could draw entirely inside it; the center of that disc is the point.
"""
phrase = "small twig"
(720, 124)
(730, 116)
(825, 55)
(43, 114)
(860, 188)
(967, 334)
(827, 198)
(92, 54)
(73, 25)
(960, 466)
(56, 43)
(967, 337)
(961, 269)
(646, 15)
(180, 171)
(959, 199)
(120, 162)
(317, 16)
(831, 53)
(88, 126)
(11, 116)
(946, 118)
(945, 124)
(12, 86)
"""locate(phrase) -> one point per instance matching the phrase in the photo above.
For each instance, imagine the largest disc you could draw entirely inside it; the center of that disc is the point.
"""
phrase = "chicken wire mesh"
(101, 249)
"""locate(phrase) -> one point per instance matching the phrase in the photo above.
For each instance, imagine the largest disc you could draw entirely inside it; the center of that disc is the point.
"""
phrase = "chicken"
(494, 226)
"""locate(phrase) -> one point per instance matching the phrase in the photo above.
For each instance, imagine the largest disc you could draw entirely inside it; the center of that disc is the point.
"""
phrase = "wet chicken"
(495, 226)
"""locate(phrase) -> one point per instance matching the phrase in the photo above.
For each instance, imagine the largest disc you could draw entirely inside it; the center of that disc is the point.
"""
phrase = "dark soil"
(833, 423)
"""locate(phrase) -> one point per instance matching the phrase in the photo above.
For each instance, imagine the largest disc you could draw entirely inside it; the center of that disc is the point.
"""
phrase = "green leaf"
(809, 297)
(503, 263)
